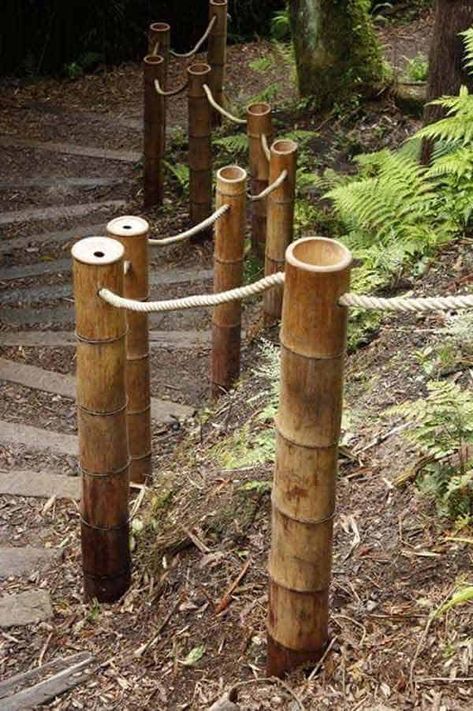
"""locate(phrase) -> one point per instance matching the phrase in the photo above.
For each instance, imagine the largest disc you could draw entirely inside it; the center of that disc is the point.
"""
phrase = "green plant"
(417, 68)
(281, 25)
(180, 172)
(442, 430)
(234, 146)
(261, 64)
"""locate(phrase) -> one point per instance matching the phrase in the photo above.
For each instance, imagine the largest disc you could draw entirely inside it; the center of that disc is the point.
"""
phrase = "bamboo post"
(217, 52)
(228, 274)
(101, 410)
(133, 232)
(200, 147)
(280, 222)
(159, 42)
(313, 342)
(259, 124)
(154, 112)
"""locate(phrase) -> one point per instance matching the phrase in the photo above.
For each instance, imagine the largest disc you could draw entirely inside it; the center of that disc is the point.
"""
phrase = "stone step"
(16, 561)
(7, 246)
(42, 484)
(14, 433)
(59, 182)
(25, 608)
(71, 149)
(31, 376)
(165, 340)
(62, 212)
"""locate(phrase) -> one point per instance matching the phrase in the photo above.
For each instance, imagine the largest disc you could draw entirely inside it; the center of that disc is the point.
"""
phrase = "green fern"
(236, 145)
(180, 173)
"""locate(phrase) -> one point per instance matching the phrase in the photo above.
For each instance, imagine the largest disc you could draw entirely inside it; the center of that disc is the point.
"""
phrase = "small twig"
(147, 645)
(227, 598)
(200, 545)
(322, 659)
(43, 651)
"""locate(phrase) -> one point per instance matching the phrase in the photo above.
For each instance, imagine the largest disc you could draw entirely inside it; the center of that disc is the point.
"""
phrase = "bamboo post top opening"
(160, 27)
(262, 108)
(284, 146)
(318, 254)
(128, 226)
(153, 59)
(217, 3)
(231, 174)
(98, 251)
(199, 68)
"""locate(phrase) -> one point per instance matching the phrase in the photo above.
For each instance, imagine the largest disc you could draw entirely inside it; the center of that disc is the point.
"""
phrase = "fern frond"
(468, 42)
(236, 144)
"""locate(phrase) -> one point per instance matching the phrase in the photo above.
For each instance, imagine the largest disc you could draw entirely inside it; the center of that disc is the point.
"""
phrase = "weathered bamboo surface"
(259, 124)
(229, 252)
(280, 221)
(132, 233)
(159, 42)
(153, 130)
(101, 407)
(217, 53)
(313, 343)
(200, 147)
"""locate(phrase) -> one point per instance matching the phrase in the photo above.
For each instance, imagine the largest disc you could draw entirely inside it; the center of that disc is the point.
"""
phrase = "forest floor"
(177, 640)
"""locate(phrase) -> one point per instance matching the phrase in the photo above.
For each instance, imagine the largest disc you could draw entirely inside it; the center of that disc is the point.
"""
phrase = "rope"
(192, 302)
(219, 108)
(267, 191)
(172, 92)
(193, 230)
(264, 144)
(405, 304)
(199, 43)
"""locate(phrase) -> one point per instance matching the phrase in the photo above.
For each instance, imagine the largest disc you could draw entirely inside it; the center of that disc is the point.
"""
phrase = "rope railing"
(274, 185)
(265, 146)
(408, 304)
(199, 44)
(192, 302)
(220, 109)
(171, 92)
(205, 224)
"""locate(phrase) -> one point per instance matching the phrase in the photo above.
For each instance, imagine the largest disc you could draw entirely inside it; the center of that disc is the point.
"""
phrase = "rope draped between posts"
(265, 146)
(199, 44)
(205, 224)
(408, 304)
(171, 92)
(192, 302)
(219, 108)
(267, 191)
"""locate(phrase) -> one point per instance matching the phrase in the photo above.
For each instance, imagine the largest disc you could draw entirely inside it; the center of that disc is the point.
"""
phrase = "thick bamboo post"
(200, 147)
(228, 274)
(154, 111)
(101, 409)
(217, 52)
(280, 221)
(132, 232)
(313, 341)
(159, 42)
(259, 124)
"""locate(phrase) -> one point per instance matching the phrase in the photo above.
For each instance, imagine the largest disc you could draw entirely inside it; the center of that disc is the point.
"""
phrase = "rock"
(25, 608)
(25, 560)
(410, 97)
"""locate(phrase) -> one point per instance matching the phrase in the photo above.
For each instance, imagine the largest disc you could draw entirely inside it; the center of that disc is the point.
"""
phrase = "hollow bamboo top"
(128, 226)
(199, 68)
(217, 3)
(231, 180)
(261, 108)
(153, 59)
(284, 146)
(160, 27)
(318, 254)
(97, 251)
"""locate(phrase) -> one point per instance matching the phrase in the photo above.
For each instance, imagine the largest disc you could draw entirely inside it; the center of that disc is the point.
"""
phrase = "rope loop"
(267, 191)
(220, 109)
(199, 43)
(192, 302)
(193, 230)
(172, 92)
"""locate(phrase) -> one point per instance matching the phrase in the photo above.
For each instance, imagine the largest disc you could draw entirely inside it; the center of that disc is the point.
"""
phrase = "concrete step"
(42, 484)
(52, 339)
(17, 561)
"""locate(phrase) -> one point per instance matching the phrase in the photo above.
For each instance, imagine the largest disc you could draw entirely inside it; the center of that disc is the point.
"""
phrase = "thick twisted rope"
(192, 302)
(219, 108)
(193, 230)
(171, 92)
(267, 191)
(406, 304)
(199, 43)
(264, 144)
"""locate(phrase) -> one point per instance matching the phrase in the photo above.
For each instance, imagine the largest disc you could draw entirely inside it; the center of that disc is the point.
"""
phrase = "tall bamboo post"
(133, 232)
(154, 111)
(229, 253)
(259, 124)
(280, 221)
(217, 52)
(200, 146)
(313, 342)
(101, 410)
(159, 42)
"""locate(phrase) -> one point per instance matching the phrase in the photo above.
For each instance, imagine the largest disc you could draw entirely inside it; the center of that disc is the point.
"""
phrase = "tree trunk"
(447, 72)
(336, 49)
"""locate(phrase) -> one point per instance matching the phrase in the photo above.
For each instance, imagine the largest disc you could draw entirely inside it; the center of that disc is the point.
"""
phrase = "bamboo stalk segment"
(101, 409)
(259, 124)
(132, 233)
(217, 52)
(229, 252)
(154, 127)
(159, 42)
(200, 147)
(280, 221)
(313, 343)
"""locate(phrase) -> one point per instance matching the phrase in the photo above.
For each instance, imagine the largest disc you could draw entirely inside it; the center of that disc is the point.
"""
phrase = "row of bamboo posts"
(112, 361)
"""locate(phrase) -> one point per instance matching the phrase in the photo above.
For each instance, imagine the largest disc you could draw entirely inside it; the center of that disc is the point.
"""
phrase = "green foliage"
(452, 349)
(417, 68)
(459, 597)
(281, 26)
(261, 64)
(234, 147)
(180, 172)
(442, 429)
